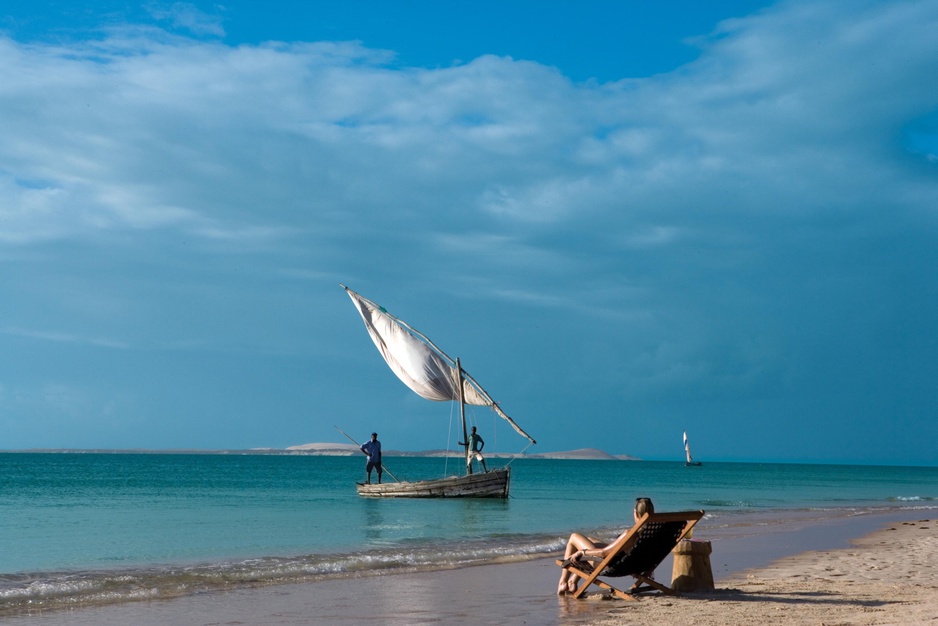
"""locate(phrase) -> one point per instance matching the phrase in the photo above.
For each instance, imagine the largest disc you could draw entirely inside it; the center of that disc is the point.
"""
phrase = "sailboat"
(433, 375)
(690, 460)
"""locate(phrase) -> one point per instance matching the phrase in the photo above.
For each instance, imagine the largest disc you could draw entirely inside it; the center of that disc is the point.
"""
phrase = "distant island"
(347, 449)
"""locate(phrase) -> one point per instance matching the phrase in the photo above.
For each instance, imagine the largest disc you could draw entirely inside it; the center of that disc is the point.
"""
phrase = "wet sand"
(763, 575)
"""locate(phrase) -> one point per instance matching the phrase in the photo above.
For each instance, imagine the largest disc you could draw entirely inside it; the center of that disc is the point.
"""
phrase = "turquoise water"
(80, 528)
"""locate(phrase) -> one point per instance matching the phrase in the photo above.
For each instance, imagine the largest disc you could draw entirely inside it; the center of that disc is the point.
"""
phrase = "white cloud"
(794, 106)
(186, 16)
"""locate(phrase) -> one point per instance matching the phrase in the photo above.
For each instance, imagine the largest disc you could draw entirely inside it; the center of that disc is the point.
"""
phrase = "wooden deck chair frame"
(624, 544)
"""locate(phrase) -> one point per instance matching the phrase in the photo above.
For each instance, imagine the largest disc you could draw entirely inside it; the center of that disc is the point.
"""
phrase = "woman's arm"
(595, 548)
(598, 550)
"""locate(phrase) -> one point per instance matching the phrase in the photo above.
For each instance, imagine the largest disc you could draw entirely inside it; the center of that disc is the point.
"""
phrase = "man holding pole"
(373, 450)
(474, 450)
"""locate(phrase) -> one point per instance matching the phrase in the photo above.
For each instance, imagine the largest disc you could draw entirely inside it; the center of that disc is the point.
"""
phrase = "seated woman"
(580, 545)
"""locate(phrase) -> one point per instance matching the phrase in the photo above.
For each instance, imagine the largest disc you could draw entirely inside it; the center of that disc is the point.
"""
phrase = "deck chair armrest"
(573, 562)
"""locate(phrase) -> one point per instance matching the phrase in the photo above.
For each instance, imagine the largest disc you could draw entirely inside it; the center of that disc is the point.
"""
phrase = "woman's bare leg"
(575, 543)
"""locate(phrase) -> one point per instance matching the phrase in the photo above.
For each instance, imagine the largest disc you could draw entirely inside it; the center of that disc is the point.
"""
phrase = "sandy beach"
(887, 576)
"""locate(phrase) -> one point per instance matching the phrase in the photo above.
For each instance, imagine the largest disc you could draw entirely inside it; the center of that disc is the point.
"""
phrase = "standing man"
(373, 450)
(475, 450)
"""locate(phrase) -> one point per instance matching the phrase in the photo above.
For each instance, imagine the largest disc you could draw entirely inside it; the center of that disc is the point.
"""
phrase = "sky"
(626, 220)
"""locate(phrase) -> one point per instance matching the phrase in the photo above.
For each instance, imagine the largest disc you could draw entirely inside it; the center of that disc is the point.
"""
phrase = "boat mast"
(462, 416)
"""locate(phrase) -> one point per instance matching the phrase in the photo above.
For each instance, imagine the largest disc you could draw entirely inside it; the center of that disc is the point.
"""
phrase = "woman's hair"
(642, 506)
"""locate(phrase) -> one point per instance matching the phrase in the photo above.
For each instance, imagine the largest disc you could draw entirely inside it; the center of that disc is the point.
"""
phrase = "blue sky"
(626, 221)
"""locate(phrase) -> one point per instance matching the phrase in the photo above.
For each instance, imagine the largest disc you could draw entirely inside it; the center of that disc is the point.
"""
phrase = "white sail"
(687, 448)
(420, 365)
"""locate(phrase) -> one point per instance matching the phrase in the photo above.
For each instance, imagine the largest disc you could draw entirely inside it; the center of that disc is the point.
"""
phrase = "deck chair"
(634, 553)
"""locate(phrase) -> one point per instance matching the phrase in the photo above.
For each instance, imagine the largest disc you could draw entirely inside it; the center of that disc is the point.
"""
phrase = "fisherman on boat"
(373, 450)
(475, 451)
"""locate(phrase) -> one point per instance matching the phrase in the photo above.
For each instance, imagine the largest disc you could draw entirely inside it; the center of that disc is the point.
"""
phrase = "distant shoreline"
(338, 449)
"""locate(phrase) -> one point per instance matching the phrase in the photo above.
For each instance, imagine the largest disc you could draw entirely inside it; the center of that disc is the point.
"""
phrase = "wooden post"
(692, 570)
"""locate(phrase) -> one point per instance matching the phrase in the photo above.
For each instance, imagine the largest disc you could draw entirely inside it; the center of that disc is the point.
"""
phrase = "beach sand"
(887, 577)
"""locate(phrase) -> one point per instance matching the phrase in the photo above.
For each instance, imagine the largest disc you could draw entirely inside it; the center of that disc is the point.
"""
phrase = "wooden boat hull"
(493, 484)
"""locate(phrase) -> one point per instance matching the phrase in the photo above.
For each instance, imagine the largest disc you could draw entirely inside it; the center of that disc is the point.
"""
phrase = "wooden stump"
(692, 570)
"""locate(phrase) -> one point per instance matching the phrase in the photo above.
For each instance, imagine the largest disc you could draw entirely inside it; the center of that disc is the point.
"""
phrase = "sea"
(84, 529)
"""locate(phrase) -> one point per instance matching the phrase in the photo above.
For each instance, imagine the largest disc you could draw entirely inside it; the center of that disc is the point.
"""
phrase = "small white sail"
(420, 365)
(687, 449)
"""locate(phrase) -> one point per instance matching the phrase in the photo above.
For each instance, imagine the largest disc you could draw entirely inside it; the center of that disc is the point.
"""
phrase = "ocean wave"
(726, 504)
(23, 593)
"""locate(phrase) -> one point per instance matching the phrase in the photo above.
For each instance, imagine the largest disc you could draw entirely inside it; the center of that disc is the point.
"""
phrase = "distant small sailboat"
(690, 460)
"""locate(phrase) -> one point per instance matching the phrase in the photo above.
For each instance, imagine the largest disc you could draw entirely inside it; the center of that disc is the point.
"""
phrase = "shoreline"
(808, 568)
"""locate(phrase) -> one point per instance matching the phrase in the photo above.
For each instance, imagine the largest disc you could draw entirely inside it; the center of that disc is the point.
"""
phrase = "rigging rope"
(515, 456)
